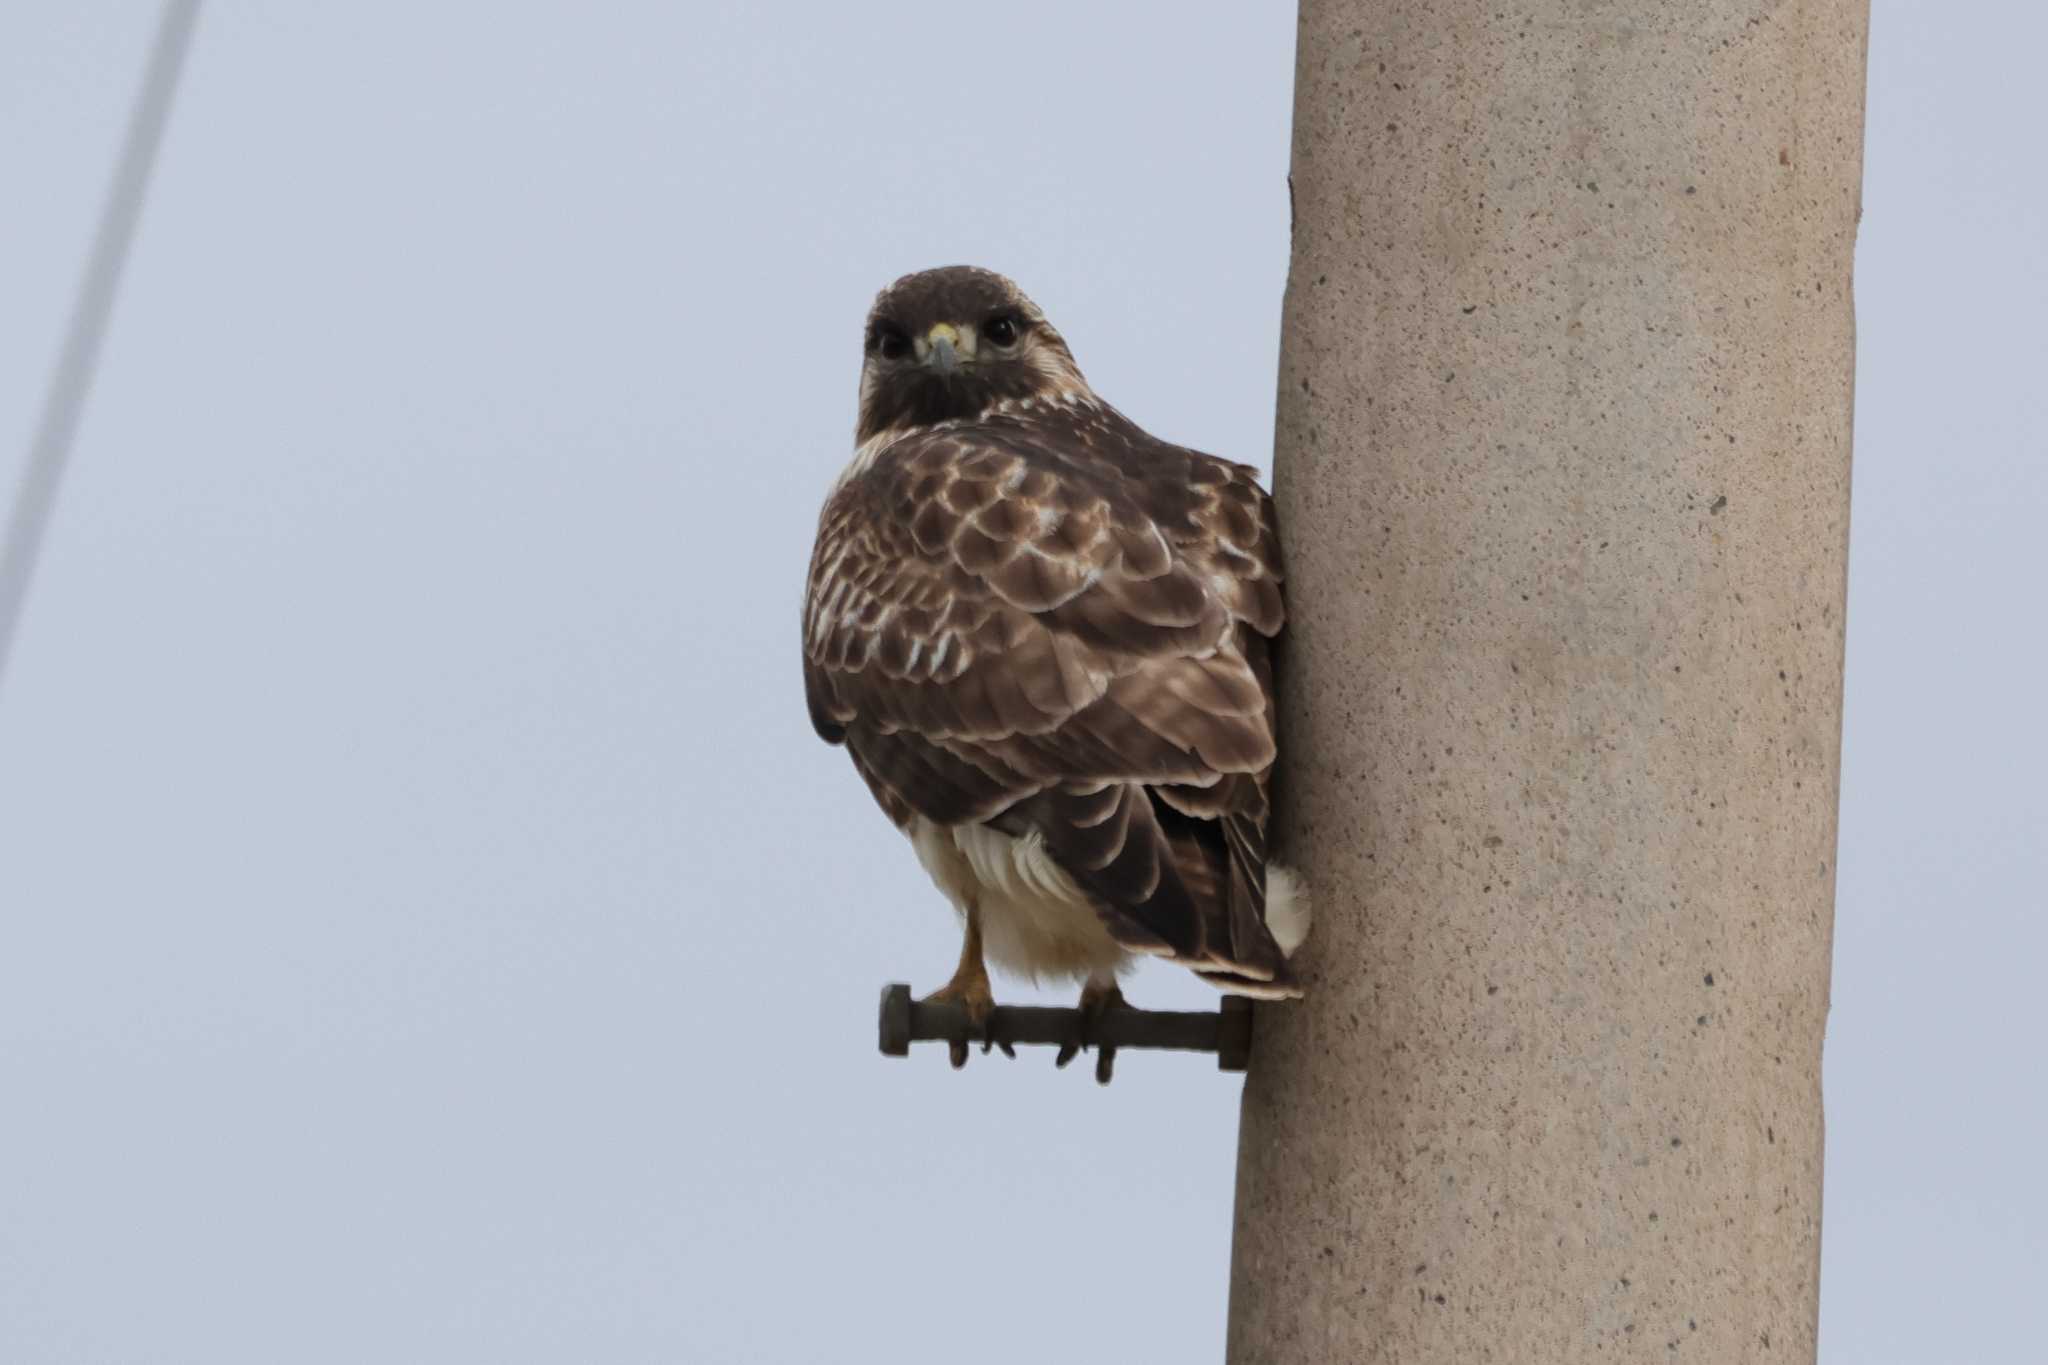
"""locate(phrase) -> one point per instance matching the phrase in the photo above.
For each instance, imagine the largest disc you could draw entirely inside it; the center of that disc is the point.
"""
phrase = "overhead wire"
(70, 384)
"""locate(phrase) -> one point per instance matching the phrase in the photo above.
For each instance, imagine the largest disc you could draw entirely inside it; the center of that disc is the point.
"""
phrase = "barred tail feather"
(1288, 915)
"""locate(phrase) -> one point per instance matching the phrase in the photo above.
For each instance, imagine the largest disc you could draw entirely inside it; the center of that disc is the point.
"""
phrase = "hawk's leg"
(969, 989)
(1098, 997)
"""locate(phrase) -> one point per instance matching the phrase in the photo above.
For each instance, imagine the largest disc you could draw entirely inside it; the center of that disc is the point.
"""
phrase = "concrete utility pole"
(1564, 465)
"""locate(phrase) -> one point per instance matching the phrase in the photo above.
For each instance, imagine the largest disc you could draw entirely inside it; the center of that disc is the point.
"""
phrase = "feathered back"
(1050, 622)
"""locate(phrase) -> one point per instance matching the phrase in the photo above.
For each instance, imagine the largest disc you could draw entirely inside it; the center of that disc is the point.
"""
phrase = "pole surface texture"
(1563, 465)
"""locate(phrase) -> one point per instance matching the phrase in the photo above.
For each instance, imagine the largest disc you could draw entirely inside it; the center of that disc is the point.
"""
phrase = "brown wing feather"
(1051, 622)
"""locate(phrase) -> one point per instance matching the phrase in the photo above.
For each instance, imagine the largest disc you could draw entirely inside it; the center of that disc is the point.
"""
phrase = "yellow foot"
(1097, 999)
(975, 1000)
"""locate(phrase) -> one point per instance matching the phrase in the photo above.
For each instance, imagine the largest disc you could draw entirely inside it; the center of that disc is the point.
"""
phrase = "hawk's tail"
(1288, 913)
(1195, 890)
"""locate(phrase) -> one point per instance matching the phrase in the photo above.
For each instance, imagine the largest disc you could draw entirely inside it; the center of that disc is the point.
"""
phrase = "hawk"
(1045, 638)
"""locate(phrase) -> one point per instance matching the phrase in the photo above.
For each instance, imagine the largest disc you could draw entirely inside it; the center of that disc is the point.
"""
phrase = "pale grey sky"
(428, 928)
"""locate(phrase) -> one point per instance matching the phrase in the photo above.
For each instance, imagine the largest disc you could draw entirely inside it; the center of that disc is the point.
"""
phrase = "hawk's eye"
(1001, 329)
(890, 343)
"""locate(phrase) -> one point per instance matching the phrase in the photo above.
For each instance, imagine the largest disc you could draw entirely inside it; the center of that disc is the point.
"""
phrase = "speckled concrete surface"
(1564, 460)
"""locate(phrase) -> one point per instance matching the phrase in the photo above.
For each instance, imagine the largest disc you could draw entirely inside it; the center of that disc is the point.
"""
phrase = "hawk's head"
(949, 343)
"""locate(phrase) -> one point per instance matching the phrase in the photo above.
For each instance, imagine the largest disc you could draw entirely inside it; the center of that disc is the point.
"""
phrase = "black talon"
(1096, 1003)
(989, 1041)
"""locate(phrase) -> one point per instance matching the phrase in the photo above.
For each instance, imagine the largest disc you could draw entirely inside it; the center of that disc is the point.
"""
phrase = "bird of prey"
(1045, 638)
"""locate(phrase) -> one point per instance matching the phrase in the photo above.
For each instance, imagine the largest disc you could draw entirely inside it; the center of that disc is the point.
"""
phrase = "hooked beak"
(941, 348)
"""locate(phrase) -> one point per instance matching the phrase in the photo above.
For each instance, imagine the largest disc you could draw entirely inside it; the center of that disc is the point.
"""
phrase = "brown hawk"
(1045, 638)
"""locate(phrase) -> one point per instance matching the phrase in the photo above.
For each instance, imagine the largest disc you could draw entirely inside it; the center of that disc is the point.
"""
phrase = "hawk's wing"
(1052, 622)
